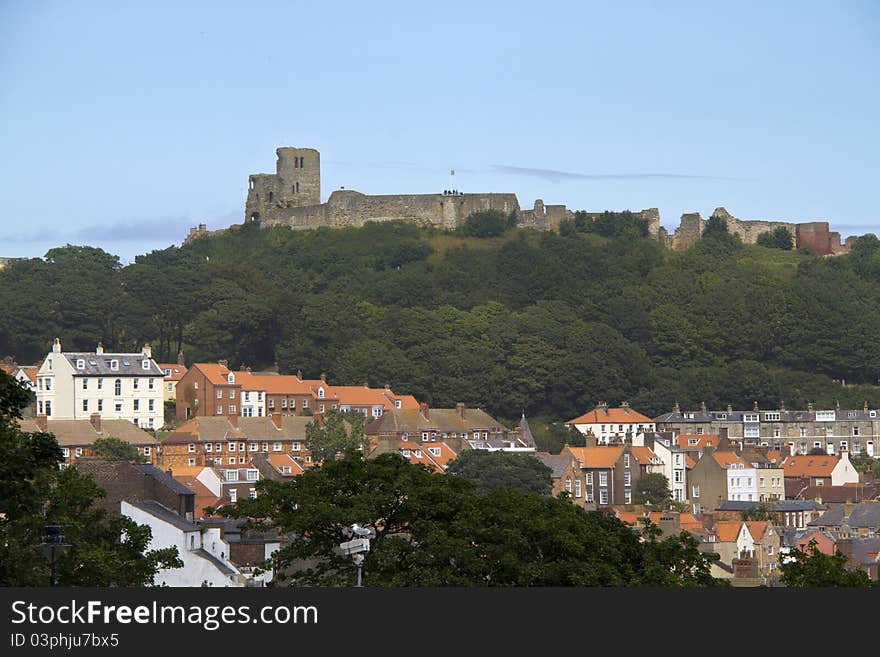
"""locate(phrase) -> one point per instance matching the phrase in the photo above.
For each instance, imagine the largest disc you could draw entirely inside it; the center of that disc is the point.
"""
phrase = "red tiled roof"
(690, 441)
(611, 415)
(727, 531)
(724, 459)
(809, 465)
(177, 370)
(597, 457)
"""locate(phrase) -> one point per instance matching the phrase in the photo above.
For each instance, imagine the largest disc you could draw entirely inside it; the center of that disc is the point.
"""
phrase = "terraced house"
(231, 441)
(856, 431)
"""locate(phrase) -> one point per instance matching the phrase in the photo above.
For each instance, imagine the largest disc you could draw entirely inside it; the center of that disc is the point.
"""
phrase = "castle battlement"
(292, 197)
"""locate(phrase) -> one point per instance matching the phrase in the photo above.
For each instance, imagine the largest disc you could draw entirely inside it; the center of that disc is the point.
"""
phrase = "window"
(693, 441)
(231, 447)
(233, 495)
(231, 460)
(40, 407)
(321, 409)
(577, 487)
(253, 447)
(603, 478)
(218, 447)
(276, 447)
(626, 460)
(252, 493)
(232, 410)
(776, 434)
(699, 431)
(627, 478)
(40, 382)
(100, 405)
(855, 431)
(191, 448)
(209, 447)
(568, 484)
(720, 416)
(134, 383)
(65, 452)
(86, 405)
(284, 403)
(114, 364)
(247, 396)
(264, 447)
(118, 407)
(152, 404)
(150, 383)
(825, 416)
(145, 364)
(803, 432)
(750, 417)
(603, 496)
(820, 482)
(679, 478)
(167, 372)
(589, 478)
(241, 459)
(147, 451)
(320, 393)
(761, 481)
(232, 394)
(627, 496)
(219, 393)
(85, 384)
(79, 452)
(297, 446)
(136, 404)
(80, 364)
(253, 475)
(48, 384)
(589, 495)
(305, 403)
(695, 491)
(271, 404)
(117, 387)
(219, 409)
(195, 385)
(772, 416)
(751, 431)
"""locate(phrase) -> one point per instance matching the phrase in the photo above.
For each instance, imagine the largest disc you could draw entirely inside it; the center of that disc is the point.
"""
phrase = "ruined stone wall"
(749, 229)
(543, 217)
(350, 208)
(295, 183)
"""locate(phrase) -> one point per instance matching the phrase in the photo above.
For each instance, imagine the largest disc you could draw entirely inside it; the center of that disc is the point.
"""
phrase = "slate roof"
(217, 429)
(556, 462)
(222, 567)
(864, 514)
(99, 364)
(79, 433)
(165, 514)
(162, 477)
(698, 417)
(525, 433)
(865, 550)
(441, 420)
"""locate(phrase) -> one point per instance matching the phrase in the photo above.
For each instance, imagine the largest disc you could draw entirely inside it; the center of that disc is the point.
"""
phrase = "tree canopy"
(438, 530)
(653, 488)
(115, 448)
(488, 470)
(542, 322)
(814, 568)
(334, 433)
(106, 549)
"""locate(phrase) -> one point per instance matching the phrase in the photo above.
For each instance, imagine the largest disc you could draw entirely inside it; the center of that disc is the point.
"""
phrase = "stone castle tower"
(295, 183)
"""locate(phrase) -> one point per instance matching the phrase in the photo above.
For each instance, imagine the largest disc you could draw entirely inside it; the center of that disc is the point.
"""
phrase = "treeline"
(543, 323)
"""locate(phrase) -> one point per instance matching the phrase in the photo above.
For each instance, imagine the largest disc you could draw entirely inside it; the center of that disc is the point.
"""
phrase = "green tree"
(114, 448)
(486, 223)
(522, 472)
(106, 549)
(759, 511)
(653, 488)
(436, 530)
(778, 238)
(813, 568)
(333, 434)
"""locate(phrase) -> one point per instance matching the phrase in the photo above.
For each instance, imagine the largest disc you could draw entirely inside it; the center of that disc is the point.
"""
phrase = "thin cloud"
(138, 230)
(558, 176)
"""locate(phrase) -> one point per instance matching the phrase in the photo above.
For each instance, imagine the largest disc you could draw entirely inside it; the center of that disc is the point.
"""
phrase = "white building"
(609, 423)
(74, 385)
(669, 460)
(205, 555)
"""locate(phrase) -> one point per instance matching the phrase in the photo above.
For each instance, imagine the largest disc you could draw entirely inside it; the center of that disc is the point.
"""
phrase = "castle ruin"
(292, 197)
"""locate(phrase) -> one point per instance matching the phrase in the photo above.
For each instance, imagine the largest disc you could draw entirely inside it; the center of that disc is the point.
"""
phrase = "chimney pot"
(729, 408)
(299, 374)
(180, 360)
(754, 406)
(95, 419)
(702, 407)
(56, 346)
(460, 408)
(323, 376)
(148, 350)
(223, 363)
(423, 409)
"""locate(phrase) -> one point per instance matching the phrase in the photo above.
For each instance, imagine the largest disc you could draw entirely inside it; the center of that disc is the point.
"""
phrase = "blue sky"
(124, 123)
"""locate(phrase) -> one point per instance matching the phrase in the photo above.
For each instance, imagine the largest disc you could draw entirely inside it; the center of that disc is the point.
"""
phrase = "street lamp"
(53, 546)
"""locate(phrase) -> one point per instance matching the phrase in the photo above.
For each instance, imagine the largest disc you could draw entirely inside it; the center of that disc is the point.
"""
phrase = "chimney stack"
(95, 419)
(180, 360)
(323, 376)
(276, 419)
(460, 408)
(275, 367)
(810, 406)
(782, 405)
(755, 406)
(42, 423)
(223, 363)
(148, 350)
(299, 375)
(56, 346)
(866, 406)
(423, 410)
(702, 407)
(729, 408)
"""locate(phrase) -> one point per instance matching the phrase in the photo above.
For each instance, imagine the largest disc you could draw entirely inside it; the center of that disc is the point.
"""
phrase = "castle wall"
(295, 183)
(543, 217)
(351, 208)
(749, 229)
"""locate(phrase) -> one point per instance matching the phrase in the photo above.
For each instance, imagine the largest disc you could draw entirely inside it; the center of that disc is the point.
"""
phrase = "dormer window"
(114, 364)
(397, 403)
(145, 364)
(320, 393)
(167, 372)
(80, 364)
(230, 378)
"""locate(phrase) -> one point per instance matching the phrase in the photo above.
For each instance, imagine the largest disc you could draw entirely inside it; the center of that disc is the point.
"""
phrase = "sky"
(122, 124)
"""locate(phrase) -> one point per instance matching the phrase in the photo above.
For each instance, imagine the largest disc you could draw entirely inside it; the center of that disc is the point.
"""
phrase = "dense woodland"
(511, 320)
